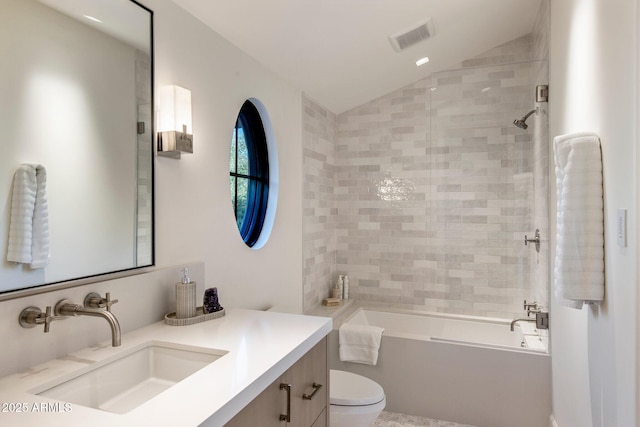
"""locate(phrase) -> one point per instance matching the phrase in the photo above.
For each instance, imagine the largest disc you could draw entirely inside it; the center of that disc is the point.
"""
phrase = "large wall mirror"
(76, 98)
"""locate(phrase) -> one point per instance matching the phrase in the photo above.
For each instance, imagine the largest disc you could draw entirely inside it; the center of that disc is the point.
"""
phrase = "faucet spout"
(67, 308)
(513, 323)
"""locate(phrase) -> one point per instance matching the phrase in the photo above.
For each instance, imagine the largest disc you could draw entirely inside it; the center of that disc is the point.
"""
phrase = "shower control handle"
(536, 240)
(531, 307)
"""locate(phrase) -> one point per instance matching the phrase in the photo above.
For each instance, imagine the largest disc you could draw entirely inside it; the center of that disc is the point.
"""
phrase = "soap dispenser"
(185, 297)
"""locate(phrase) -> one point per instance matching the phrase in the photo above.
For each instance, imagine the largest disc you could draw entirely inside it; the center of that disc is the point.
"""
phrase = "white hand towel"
(579, 269)
(359, 343)
(29, 223)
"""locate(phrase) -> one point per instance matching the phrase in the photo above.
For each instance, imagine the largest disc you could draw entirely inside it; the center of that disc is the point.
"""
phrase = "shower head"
(522, 123)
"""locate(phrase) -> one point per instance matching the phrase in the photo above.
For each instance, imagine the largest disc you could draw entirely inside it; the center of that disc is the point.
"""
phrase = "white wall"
(593, 88)
(194, 218)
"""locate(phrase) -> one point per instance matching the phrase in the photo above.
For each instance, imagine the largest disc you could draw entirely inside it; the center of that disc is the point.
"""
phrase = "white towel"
(29, 224)
(359, 343)
(579, 269)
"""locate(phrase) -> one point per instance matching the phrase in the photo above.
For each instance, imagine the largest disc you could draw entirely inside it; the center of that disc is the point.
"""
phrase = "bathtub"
(465, 369)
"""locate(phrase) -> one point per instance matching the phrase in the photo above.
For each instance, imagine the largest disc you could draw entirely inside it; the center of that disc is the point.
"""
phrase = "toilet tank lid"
(349, 389)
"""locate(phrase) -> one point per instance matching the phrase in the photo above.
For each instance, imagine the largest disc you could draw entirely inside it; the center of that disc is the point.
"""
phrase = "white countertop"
(261, 346)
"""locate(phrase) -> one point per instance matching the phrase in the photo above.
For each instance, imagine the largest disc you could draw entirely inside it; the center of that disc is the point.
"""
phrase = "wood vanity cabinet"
(304, 377)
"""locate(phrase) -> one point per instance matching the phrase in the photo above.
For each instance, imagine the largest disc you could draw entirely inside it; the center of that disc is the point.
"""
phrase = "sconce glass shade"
(174, 121)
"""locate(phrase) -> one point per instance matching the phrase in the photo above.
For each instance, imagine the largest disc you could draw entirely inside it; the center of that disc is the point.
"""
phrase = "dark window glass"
(249, 173)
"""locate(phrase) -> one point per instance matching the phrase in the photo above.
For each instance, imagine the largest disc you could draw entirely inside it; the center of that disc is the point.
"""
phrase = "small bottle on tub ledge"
(345, 287)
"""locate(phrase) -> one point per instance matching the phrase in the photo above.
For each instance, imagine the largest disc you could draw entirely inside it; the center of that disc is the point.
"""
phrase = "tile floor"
(394, 419)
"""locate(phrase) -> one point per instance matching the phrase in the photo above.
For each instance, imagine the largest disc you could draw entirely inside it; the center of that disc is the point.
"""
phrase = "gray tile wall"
(319, 223)
(384, 199)
(434, 189)
(482, 188)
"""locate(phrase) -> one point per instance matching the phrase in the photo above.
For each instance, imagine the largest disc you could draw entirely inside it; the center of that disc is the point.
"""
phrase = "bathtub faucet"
(541, 320)
(513, 323)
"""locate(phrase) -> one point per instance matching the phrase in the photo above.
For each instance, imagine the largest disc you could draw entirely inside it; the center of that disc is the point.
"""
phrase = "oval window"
(249, 173)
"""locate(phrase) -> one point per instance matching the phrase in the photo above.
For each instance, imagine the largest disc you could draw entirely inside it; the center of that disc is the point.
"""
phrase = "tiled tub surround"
(319, 223)
(453, 372)
(434, 190)
(481, 192)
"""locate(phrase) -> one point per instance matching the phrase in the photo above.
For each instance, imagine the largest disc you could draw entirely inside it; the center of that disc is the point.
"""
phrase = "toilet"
(355, 401)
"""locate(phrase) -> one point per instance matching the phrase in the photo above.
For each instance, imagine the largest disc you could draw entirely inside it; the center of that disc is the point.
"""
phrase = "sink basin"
(128, 379)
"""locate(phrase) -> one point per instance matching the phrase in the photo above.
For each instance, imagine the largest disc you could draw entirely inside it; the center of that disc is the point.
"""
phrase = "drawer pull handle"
(286, 417)
(316, 387)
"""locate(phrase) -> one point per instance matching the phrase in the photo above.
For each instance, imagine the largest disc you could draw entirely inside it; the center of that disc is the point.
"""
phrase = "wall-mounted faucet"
(66, 308)
(94, 304)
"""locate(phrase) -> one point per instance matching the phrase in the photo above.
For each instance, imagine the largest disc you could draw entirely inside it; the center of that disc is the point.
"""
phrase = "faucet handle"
(94, 300)
(532, 307)
(110, 302)
(48, 318)
(32, 316)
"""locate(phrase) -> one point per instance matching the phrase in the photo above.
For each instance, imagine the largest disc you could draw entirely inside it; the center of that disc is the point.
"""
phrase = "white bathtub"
(468, 330)
(465, 369)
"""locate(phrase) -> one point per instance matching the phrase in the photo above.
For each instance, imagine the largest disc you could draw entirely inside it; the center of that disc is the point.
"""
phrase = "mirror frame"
(133, 271)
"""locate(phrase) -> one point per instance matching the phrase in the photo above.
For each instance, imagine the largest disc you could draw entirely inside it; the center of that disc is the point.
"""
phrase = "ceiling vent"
(414, 35)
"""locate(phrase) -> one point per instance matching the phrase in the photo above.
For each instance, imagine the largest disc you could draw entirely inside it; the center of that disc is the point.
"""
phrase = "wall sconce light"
(174, 121)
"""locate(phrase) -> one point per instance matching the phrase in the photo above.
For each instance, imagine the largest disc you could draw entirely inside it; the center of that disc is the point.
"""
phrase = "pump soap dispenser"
(185, 297)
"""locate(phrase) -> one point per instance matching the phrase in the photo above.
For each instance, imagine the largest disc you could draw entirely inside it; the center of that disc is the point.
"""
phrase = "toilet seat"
(349, 389)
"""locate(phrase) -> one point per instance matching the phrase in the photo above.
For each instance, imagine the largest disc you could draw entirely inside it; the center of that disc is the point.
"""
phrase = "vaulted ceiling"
(338, 51)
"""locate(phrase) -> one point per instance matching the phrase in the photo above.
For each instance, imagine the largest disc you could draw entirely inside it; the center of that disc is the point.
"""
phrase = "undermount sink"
(127, 380)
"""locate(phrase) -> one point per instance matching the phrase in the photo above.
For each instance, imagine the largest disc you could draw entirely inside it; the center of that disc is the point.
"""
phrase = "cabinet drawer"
(310, 370)
(264, 410)
(308, 394)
